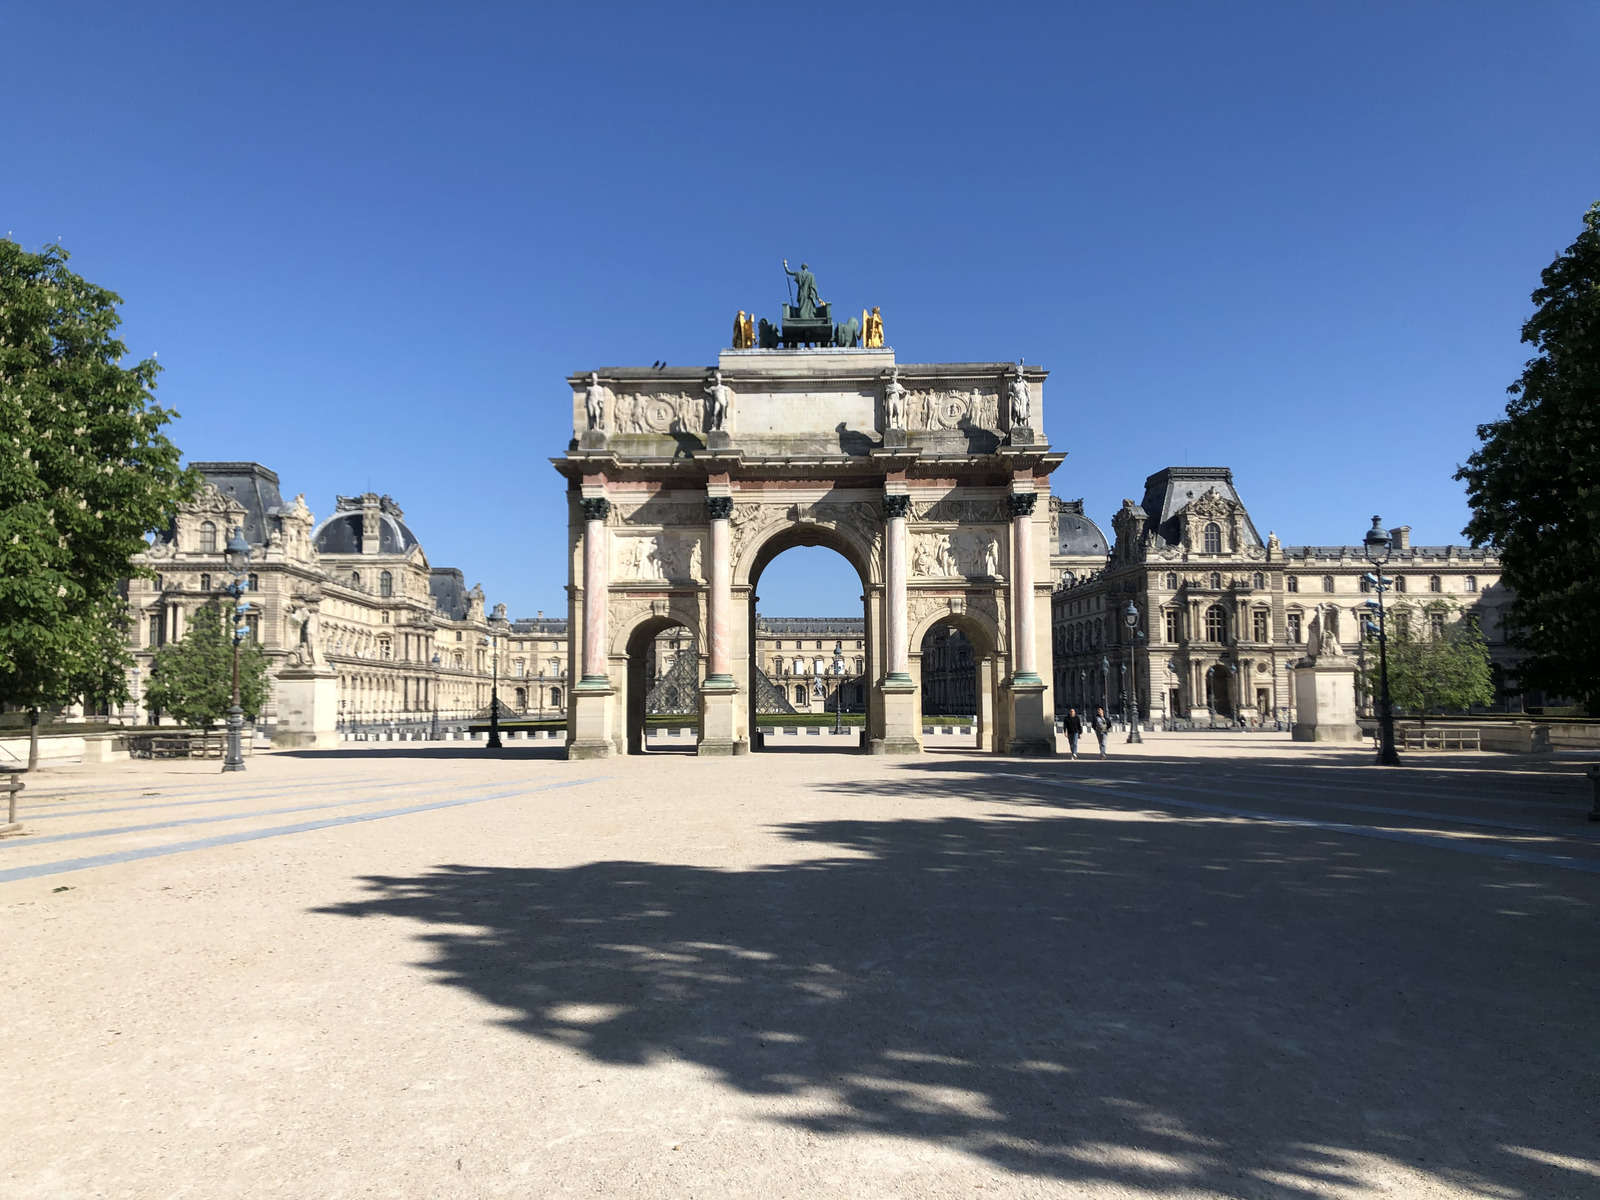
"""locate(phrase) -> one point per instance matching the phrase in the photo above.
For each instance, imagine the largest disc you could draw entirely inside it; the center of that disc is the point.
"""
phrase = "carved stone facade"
(674, 516)
(357, 627)
(1224, 613)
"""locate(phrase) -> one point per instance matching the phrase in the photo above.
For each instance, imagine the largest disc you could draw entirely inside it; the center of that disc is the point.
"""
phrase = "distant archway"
(645, 678)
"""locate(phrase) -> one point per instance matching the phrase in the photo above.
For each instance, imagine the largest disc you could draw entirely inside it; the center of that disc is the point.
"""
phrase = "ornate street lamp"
(1105, 682)
(1378, 548)
(1237, 720)
(1130, 618)
(433, 688)
(237, 558)
(494, 692)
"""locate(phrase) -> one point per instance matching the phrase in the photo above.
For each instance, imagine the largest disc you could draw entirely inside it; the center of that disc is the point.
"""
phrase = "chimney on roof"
(1400, 537)
(541, 614)
(369, 523)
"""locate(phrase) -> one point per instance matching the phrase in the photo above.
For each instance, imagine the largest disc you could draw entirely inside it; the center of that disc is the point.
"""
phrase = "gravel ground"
(1211, 966)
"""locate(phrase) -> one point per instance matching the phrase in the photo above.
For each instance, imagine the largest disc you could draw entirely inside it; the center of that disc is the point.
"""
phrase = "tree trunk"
(33, 739)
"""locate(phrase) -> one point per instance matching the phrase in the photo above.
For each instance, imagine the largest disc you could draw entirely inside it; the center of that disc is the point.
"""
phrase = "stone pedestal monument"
(684, 483)
(1325, 688)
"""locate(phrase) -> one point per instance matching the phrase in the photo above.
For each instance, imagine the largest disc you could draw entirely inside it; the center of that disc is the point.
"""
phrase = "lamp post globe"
(236, 554)
(1377, 547)
(1130, 618)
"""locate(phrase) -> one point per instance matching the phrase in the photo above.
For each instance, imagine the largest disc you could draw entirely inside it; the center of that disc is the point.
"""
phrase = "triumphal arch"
(932, 479)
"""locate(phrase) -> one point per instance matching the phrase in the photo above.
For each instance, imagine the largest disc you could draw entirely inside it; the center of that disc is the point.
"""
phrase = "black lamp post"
(1105, 682)
(1378, 549)
(1130, 618)
(237, 557)
(433, 688)
(1236, 720)
(494, 693)
(838, 685)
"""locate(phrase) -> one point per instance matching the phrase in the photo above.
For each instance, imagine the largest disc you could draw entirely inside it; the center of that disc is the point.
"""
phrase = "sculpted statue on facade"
(1021, 397)
(894, 401)
(594, 401)
(805, 301)
(872, 337)
(744, 332)
(719, 394)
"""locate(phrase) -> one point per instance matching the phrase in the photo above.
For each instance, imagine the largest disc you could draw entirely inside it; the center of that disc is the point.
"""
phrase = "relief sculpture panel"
(660, 413)
(935, 410)
(653, 557)
(965, 553)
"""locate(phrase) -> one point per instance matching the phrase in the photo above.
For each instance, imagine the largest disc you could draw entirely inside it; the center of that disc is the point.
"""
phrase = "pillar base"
(1033, 732)
(591, 719)
(719, 715)
(901, 717)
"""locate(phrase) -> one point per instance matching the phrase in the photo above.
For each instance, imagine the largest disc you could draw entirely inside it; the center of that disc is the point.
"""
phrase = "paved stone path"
(1209, 966)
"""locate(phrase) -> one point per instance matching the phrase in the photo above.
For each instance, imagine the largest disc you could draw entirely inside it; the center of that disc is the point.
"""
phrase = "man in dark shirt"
(1074, 727)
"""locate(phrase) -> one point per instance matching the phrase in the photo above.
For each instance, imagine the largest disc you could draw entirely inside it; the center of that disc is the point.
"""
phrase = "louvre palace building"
(1220, 614)
(358, 628)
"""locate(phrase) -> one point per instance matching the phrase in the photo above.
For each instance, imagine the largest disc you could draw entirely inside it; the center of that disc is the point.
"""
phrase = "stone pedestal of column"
(1032, 727)
(719, 694)
(1325, 700)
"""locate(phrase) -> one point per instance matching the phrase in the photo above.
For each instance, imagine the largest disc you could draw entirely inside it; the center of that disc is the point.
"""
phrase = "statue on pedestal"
(805, 282)
(744, 332)
(1021, 396)
(894, 394)
(594, 401)
(720, 393)
(872, 337)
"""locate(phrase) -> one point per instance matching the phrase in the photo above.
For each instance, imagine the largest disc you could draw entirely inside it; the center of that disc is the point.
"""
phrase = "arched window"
(800, 693)
(205, 583)
(1435, 584)
(1327, 583)
(1216, 582)
(386, 584)
(1471, 583)
(522, 666)
(555, 697)
(1292, 582)
(1260, 581)
(1213, 538)
(355, 579)
(1172, 582)
(1216, 623)
(208, 538)
(861, 665)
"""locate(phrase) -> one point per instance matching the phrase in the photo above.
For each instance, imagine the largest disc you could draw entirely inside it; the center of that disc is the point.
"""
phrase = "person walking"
(1074, 727)
(1101, 727)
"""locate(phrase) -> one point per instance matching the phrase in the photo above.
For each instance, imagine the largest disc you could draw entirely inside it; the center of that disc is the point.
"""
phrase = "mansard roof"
(810, 626)
(1169, 491)
(251, 485)
(449, 590)
(341, 534)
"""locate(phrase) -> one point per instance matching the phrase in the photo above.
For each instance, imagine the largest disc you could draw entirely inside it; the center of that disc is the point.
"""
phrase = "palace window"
(458, 635)
(1258, 628)
(254, 583)
(1216, 582)
(208, 538)
(1364, 584)
(1172, 582)
(555, 697)
(1435, 584)
(1099, 633)
(1399, 583)
(355, 579)
(1293, 620)
(1260, 581)
(386, 616)
(1172, 624)
(1471, 583)
(800, 693)
(1216, 624)
(205, 583)
(522, 699)
(1327, 583)
(1213, 538)
(155, 631)
(1292, 582)
(386, 584)
(1436, 624)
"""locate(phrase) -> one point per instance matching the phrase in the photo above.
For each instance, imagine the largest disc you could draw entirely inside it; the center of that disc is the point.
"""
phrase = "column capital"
(719, 508)
(595, 508)
(1022, 503)
(896, 504)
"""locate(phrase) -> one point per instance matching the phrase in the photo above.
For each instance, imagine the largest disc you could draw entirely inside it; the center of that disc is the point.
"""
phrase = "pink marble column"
(720, 602)
(895, 508)
(595, 511)
(1025, 666)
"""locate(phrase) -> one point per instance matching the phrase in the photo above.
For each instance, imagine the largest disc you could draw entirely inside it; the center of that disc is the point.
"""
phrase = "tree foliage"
(192, 679)
(1534, 484)
(85, 473)
(1448, 670)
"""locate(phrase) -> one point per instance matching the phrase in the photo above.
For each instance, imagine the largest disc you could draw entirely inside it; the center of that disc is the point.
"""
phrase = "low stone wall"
(92, 748)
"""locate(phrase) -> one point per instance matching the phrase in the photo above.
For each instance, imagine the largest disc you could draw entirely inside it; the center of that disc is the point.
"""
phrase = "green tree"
(1446, 669)
(1534, 484)
(192, 679)
(85, 473)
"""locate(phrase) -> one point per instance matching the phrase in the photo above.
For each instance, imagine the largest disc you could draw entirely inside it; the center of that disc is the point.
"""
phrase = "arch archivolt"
(852, 527)
(628, 612)
(976, 614)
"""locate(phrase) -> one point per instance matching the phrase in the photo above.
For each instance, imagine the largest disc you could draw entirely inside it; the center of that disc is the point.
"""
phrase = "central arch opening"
(664, 675)
(810, 669)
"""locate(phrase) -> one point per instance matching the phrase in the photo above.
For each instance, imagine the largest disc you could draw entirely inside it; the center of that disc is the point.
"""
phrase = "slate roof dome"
(341, 534)
(1080, 535)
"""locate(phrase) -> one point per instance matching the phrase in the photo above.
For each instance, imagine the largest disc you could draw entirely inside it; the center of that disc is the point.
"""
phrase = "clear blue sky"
(369, 241)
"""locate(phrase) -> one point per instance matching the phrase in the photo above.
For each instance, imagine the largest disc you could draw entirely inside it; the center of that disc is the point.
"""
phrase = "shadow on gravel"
(1204, 1007)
